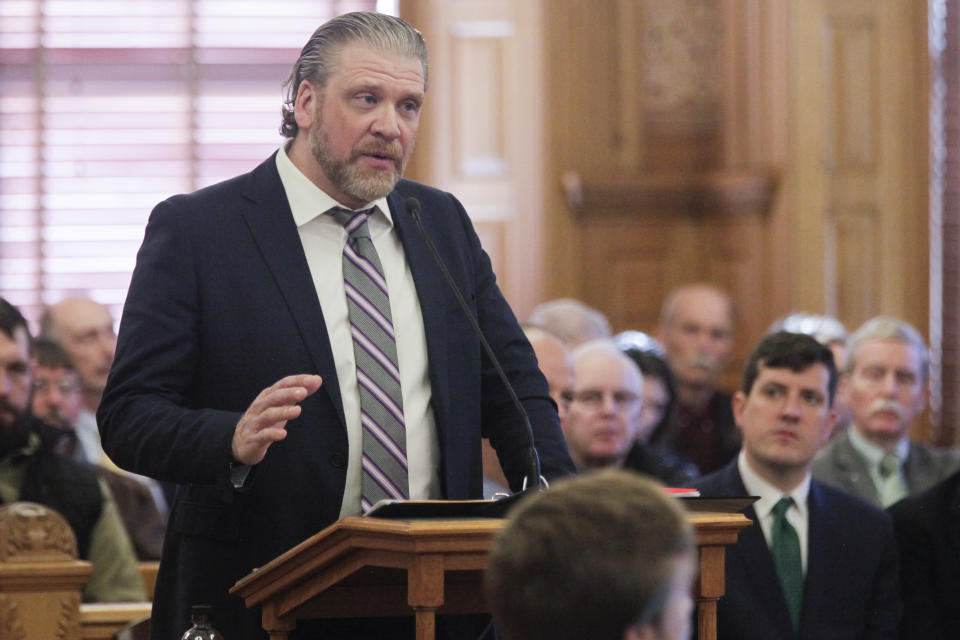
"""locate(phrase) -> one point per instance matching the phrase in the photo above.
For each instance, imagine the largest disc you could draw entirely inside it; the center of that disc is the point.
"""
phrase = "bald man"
(696, 329)
(84, 328)
(605, 412)
(555, 363)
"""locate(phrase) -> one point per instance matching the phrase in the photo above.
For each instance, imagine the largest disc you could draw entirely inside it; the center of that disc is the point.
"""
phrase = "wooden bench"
(41, 581)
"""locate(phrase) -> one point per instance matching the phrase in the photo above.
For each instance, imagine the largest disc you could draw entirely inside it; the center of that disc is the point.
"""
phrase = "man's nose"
(791, 407)
(387, 123)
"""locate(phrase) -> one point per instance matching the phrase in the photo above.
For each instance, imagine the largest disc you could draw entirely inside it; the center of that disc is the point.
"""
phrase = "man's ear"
(305, 104)
(739, 404)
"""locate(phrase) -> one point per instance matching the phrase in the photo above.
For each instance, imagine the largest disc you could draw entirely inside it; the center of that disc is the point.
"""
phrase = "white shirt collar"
(769, 494)
(307, 200)
(873, 452)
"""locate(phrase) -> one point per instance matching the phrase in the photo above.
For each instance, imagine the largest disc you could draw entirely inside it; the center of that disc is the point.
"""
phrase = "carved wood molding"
(33, 533)
(716, 192)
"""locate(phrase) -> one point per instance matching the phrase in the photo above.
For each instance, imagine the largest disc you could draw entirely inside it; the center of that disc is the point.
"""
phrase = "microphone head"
(412, 205)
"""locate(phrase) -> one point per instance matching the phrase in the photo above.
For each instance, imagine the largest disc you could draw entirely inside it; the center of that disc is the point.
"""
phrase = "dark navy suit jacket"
(928, 535)
(221, 306)
(851, 589)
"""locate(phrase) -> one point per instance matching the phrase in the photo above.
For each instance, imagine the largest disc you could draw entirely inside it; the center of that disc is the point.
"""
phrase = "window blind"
(109, 106)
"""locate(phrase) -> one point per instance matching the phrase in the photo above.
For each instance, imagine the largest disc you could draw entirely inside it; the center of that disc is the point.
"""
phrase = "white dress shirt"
(798, 515)
(323, 241)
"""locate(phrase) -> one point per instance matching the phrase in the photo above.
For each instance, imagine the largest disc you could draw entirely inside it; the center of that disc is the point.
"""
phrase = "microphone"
(412, 205)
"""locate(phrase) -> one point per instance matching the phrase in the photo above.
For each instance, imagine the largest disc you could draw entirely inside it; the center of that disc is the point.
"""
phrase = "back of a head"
(570, 320)
(825, 329)
(589, 558)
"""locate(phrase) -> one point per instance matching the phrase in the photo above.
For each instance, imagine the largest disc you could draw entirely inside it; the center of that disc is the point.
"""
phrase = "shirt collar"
(873, 452)
(307, 200)
(769, 494)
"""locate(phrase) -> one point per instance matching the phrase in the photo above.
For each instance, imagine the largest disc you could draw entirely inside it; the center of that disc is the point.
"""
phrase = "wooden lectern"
(362, 567)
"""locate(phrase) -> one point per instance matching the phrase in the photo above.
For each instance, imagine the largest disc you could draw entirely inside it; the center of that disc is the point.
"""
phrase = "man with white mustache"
(696, 329)
(885, 386)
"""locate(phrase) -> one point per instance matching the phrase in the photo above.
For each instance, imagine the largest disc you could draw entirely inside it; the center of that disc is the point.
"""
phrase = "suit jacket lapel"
(853, 469)
(820, 551)
(431, 288)
(271, 223)
(917, 467)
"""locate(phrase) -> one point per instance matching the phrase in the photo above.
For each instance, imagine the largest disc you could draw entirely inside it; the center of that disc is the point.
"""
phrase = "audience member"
(696, 329)
(605, 415)
(56, 402)
(554, 361)
(928, 534)
(831, 333)
(657, 399)
(816, 562)
(605, 411)
(885, 387)
(607, 556)
(31, 471)
(571, 320)
(84, 328)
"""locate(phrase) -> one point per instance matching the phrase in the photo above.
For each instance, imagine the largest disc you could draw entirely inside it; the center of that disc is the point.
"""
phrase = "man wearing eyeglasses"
(57, 400)
(31, 471)
(604, 413)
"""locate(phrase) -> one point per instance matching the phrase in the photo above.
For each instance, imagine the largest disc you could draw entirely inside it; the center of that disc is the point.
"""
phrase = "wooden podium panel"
(361, 567)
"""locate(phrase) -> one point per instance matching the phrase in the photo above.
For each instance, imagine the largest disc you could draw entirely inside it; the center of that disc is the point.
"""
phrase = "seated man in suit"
(31, 471)
(928, 535)
(608, 556)
(816, 562)
(885, 387)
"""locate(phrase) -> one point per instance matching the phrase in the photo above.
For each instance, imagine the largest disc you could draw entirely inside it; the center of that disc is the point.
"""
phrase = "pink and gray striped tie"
(384, 468)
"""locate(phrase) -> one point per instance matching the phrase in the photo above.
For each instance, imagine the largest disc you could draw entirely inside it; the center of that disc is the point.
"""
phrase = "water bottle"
(201, 629)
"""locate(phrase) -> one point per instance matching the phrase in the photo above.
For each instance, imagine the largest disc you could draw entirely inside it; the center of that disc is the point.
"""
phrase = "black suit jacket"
(851, 589)
(928, 534)
(221, 306)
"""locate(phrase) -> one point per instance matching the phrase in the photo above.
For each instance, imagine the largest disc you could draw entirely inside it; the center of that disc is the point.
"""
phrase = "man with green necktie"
(816, 563)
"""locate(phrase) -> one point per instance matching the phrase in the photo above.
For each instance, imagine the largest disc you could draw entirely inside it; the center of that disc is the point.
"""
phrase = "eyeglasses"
(594, 398)
(66, 385)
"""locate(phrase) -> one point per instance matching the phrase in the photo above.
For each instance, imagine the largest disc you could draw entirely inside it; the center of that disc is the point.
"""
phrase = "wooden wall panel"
(481, 134)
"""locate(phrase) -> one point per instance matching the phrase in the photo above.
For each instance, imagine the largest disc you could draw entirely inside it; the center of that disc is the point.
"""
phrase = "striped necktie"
(384, 459)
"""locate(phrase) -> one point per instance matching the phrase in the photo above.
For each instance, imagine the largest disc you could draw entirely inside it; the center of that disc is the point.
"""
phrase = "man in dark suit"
(816, 563)
(885, 387)
(254, 367)
(928, 535)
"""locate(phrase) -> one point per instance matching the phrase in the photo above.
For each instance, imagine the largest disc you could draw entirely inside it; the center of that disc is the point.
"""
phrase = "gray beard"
(349, 179)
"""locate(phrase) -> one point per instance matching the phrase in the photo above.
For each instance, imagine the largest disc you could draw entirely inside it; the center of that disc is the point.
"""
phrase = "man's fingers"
(265, 420)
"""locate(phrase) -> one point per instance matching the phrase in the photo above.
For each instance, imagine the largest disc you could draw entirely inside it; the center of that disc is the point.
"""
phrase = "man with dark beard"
(31, 471)
(289, 352)
(56, 402)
